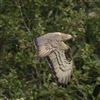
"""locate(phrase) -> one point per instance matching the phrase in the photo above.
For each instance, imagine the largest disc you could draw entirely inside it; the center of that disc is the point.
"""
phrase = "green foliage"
(21, 75)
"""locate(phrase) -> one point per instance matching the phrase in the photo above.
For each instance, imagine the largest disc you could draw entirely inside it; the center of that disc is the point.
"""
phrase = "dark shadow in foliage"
(7, 93)
(96, 91)
(90, 97)
(79, 62)
(4, 71)
(28, 73)
(92, 77)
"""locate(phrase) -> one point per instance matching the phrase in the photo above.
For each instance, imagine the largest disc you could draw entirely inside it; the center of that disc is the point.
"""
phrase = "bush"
(21, 75)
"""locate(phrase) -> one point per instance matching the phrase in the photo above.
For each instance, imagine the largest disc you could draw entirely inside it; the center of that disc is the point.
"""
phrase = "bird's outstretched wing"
(58, 55)
(61, 63)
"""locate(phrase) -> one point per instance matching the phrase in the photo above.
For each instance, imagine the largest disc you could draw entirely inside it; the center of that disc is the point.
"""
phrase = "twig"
(21, 13)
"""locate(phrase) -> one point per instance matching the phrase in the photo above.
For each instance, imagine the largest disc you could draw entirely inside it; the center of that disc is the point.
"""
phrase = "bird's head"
(63, 36)
(49, 42)
(66, 36)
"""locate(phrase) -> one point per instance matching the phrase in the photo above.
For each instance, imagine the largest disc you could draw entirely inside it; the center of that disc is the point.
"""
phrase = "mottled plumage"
(57, 53)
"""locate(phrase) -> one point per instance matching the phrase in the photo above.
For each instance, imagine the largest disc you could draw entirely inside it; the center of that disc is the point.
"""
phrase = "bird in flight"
(51, 46)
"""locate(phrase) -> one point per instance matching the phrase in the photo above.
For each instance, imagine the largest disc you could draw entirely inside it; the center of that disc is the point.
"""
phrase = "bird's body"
(58, 55)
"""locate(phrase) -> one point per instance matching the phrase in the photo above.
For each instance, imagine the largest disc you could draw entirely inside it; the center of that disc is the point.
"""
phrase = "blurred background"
(22, 76)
